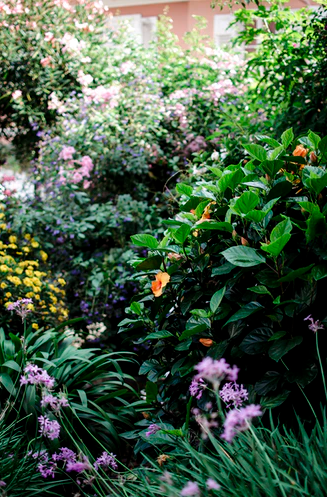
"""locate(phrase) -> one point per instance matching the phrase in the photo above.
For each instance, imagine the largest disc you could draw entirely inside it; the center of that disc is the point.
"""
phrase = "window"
(143, 28)
(223, 35)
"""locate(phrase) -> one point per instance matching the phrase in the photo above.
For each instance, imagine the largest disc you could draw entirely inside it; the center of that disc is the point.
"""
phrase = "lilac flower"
(2, 483)
(233, 394)
(21, 307)
(215, 371)
(55, 402)
(47, 470)
(49, 429)
(315, 325)
(196, 388)
(238, 420)
(36, 376)
(106, 460)
(212, 484)
(152, 430)
(78, 466)
(191, 488)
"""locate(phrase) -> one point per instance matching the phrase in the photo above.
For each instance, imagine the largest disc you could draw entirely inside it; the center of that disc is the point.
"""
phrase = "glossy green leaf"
(216, 299)
(256, 151)
(182, 233)
(143, 240)
(281, 347)
(287, 138)
(243, 256)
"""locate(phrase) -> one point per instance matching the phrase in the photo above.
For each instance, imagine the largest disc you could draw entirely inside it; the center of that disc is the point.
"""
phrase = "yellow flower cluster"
(24, 274)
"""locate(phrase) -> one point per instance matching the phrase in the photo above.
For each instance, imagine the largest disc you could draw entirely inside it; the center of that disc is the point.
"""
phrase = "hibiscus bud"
(244, 241)
(313, 157)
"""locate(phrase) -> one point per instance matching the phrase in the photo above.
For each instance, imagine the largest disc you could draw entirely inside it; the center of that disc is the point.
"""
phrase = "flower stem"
(321, 366)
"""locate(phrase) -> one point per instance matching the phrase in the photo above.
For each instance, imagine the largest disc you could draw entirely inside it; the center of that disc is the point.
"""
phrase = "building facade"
(143, 14)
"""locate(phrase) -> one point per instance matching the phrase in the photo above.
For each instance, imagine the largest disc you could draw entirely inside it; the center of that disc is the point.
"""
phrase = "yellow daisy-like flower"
(3, 285)
(29, 295)
(4, 268)
(43, 255)
(35, 244)
(8, 294)
(29, 273)
(3, 226)
(25, 249)
(35, 326)
(61, 281)
(27, 236)
(19, 270)
(12, 239)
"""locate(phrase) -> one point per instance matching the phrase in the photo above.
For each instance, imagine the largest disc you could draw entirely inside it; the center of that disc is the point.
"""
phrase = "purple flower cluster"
(78, 466)
(55, 402)
(36, 376)
(196, 388)
(65, 454)
(48, 428)
(106, 461)
(215, 371)
(152, 430)
(21, 307)
(233, 394)
(315, 325)
(238, 420)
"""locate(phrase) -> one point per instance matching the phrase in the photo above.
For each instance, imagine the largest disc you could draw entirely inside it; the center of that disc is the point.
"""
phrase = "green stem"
(321, 366)
(188, 413)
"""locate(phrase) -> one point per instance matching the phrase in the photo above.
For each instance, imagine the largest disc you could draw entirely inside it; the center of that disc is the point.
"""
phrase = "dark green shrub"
(241, 265)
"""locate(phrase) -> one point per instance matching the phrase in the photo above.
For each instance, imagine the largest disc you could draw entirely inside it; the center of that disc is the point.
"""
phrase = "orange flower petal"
(164, 278)
(156, 288)
(207, 342)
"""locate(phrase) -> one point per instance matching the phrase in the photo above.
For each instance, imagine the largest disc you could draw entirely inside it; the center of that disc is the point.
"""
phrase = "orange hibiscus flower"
(300, 151)
(159, 283)
(207, 342)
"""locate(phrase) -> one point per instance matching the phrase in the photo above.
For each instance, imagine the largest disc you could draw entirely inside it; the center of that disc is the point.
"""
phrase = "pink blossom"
(67, 152)
(191, 489)
(215, 371)
(196, 388)
(315, 325)
(238, 420)
(212, 484)
(87, 165)
(105, 461)
(48, 428)
(46, 61)
(16, 94)
(127, 67)
(233, 394)
(84, 79)
(7, 179)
